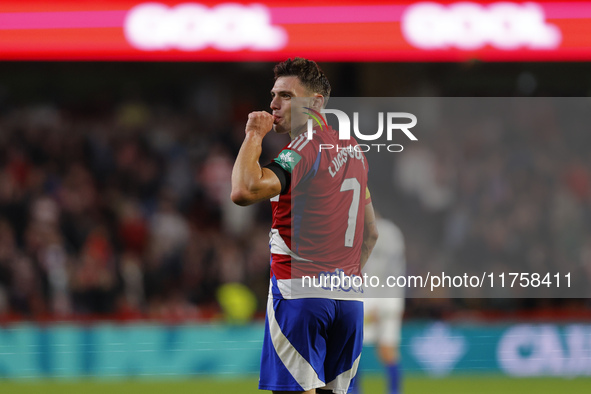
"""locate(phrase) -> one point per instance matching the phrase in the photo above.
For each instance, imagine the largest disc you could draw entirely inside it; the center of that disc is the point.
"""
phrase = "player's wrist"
(255, 136)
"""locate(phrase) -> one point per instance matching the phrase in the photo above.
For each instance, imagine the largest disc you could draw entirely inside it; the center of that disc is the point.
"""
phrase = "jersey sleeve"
(300, 158)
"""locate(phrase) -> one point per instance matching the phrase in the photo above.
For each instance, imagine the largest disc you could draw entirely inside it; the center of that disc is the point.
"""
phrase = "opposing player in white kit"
(384, 307)
(323, 224)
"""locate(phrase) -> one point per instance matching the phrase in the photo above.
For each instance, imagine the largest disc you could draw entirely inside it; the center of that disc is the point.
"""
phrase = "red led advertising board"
(273, 30)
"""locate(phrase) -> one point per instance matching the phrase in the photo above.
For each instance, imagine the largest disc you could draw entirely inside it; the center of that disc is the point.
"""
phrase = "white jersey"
(387, 259)
(384, 306)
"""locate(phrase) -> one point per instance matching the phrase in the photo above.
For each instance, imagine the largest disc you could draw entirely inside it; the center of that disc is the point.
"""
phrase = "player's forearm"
(370, 234)
(366, 249)
(365, 252)
(247, 172)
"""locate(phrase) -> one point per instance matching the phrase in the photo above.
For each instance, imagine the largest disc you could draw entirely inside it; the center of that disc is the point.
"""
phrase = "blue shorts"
(311, 343)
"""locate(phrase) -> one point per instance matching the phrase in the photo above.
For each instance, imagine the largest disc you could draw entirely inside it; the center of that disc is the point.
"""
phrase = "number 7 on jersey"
(351, 184)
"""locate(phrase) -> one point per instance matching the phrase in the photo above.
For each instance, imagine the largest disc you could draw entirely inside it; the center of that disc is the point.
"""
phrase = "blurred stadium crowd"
(125, 212)
(508, 190)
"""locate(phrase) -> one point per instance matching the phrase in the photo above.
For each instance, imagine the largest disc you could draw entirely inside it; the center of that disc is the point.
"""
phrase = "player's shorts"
(311, 343)
(383, 321)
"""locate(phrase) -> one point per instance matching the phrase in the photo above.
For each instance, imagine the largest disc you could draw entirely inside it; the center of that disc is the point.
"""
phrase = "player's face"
(286, 117)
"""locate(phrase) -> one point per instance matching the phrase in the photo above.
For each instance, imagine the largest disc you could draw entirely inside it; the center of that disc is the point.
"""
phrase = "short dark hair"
(308, 72)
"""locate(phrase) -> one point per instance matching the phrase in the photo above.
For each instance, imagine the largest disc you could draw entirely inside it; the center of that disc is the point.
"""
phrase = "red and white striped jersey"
(318, 221)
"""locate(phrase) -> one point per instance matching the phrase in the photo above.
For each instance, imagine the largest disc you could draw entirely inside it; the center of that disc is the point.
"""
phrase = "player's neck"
(294, 133)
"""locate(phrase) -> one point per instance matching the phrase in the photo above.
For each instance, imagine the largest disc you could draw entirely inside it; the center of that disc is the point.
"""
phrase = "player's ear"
(318, 101)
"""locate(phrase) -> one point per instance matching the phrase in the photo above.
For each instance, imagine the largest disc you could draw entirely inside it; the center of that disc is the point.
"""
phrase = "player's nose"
(275, 103)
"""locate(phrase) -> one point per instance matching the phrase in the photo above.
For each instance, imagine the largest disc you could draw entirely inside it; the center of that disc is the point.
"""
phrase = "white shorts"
(383, 321)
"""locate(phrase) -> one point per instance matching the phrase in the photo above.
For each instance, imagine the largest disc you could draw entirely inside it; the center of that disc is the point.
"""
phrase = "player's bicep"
(270, 185)
(264, 188)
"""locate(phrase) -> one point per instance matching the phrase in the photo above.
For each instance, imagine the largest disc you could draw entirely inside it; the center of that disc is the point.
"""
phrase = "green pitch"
(372, 385)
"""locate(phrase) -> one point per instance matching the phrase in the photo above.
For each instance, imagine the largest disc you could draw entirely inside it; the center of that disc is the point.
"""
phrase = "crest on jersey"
(287, 159)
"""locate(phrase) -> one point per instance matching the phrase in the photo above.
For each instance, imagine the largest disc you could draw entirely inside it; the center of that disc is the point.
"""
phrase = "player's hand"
(259, 122)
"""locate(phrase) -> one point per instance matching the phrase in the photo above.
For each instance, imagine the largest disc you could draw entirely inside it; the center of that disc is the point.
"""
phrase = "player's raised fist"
(259, 122)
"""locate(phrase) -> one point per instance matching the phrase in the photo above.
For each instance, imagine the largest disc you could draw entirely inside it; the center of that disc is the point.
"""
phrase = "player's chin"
(279, 129)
